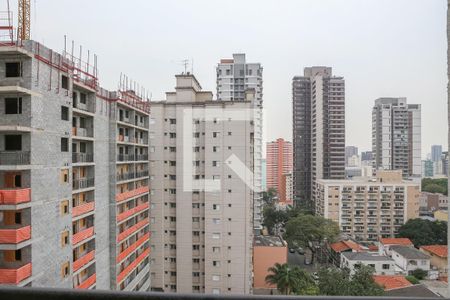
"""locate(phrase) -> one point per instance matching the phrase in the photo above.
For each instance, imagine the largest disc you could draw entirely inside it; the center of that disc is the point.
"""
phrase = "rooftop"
(439, 250)
(269, 241)
(390, 282)
(409, 252)
(359, 256)
(346, 245)
(396, 241)
(415, 291)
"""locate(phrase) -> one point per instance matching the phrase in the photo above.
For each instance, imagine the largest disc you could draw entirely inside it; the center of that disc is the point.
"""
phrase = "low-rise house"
(409, 259)
(382, 265)
(438, 258)
(391, 282)
(343, 246)
(385, 244)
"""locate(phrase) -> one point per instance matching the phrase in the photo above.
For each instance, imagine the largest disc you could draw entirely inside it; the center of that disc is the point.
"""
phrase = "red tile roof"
(346, 245)
(396, 241)
(439, 250)
(391, 282)
(373, 248)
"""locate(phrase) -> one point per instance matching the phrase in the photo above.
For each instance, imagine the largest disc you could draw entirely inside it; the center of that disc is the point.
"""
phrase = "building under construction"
(74, 177)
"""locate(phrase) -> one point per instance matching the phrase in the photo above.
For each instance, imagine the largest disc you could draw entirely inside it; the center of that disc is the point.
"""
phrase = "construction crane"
(23, 26)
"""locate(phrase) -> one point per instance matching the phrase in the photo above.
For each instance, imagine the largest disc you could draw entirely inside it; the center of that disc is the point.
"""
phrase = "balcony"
(14, 158)
(142, 157)
(15, 236)
(125, 157)
(132, 247)
(15, 276)
(82, 158)
(82, 132)
(83, 183)
(127, 232)
(83, 209)
(90, 281)
(133, 265)
(132, 193)
(15, 196)
(125, 176)
(132, 211)
(82, 235)
(84, 260)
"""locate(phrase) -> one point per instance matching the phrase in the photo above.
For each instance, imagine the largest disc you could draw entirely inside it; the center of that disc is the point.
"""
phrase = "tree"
(285, 277)
(339, 282)
(435, 185)
(269, 197)
(412, 279)
(310, 231)
(419, 274)
(273, 218)
(424, 232)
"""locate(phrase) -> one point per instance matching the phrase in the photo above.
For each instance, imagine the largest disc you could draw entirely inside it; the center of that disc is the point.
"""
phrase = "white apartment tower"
(396, 136)
(202, 202)
(234, 77)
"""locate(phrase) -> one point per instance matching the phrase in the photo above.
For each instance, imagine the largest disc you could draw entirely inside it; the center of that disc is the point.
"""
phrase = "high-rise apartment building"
(367, 209)
(396, 136)
(278, 164)
(349, 152)
(318, 131)
(201, 158)
(436, 153)
(63, 221)
(234, 77)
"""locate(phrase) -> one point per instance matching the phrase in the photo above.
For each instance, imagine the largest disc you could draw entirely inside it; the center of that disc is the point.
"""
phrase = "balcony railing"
(140, 157)
(131, 230)
(132, 211)
(133, 265)
(15, 236)
(14, 158)
(30, 293)
(82, 157)
(132, 193)
(132, 247)
(125, 176)
(14, 276)
(84, 260)
(142, 174)
(125, 157)
(82, 209)
(15, 196)
(82, 132)
(88, 282)
(83, 183)
(82, 235)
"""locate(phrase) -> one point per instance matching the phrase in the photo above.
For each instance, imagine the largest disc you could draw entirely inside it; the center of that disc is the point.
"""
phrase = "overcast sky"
(383, 48)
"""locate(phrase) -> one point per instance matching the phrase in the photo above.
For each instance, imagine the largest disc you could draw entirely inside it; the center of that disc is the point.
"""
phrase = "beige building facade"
(367, 209)
(201, 152)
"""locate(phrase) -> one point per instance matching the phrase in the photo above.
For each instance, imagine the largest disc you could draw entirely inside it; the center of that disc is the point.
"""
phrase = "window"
(195, 274)
(18, 218)
(216, 177)
(64, 176)
(64, 238)
(216, 277)
(215, 134)
(65, 82)
(215, 149)
(13, 69)
(64, 144)
(229, 132)
(216, 263)
(195, 247)
(216, 221)
(13, 106)
(64, 113)
(216, 249)
(216, 207)
(18, 255)
(172, 149)
(83, 98)
(64, 207)
(65, 270)
(217, 291)
(172, 135)
(386, 266)
(172, 163)
(216, 235)
(173, 121)
(216, 163)
(13, 142)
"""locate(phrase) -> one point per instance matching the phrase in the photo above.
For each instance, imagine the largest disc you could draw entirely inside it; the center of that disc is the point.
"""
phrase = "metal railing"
(125, 176)
(83, 183)
(14, 293)
(14, 157)
(82, 157)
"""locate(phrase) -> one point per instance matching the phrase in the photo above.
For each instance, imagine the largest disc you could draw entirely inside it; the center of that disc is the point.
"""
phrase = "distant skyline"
(382, 48)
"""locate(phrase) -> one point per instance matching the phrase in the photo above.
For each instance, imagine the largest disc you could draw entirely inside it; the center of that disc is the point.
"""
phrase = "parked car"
(300, 251)
(291, 250)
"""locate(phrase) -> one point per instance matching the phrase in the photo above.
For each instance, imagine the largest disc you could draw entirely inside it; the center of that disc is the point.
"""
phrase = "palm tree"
(285, 277)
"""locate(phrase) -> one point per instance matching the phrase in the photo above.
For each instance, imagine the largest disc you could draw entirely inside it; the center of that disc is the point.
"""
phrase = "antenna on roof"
(185, 63)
